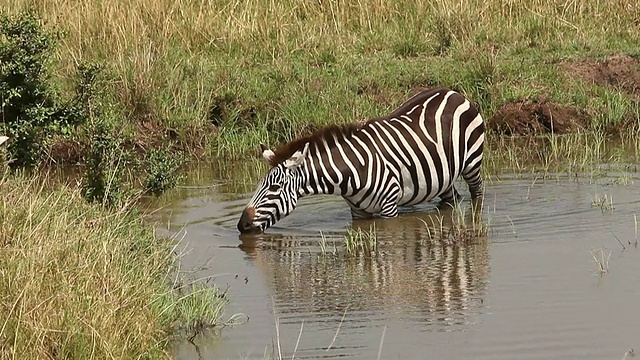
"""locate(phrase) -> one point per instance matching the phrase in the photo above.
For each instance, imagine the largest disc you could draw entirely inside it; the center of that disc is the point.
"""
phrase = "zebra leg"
(450, 197)
(389, 207)
(357, 213)
(474, 180)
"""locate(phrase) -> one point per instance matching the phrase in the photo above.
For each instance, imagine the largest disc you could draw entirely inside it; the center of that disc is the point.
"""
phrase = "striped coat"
(410, 156)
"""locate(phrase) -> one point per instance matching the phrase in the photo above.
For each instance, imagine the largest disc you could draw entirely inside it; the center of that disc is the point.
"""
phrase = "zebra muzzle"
(245, 224)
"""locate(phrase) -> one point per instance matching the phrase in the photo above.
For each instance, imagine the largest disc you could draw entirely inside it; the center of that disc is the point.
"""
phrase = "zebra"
(410, 156)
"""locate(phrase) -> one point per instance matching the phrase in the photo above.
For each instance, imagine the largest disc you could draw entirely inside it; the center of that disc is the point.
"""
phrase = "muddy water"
(530, 289)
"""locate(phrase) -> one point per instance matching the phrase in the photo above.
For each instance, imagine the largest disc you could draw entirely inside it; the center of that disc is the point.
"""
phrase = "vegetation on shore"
(128, 89)
(218, 77)
(82, 281)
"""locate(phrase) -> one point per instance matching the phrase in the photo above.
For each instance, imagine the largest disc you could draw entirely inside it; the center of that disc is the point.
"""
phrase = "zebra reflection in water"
(411, 272)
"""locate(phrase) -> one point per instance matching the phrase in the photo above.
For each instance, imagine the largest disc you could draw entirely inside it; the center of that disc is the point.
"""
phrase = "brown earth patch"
(527, 117)
(67, 152)
(617, 71)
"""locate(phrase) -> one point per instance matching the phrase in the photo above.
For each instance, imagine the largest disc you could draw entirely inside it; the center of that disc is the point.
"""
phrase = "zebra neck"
(318, 175)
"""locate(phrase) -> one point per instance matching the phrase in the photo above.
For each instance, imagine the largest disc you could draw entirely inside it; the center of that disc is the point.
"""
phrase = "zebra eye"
(274, 187)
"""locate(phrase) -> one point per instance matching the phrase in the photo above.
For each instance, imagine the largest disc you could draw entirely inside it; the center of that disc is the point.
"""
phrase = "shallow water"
(530, 289)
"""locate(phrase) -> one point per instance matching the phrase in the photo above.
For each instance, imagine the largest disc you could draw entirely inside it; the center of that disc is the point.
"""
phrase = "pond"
(555, 276)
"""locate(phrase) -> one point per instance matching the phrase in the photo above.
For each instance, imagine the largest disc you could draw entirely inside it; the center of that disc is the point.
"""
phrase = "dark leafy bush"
(107, 158)
(162, 170)
(34, 115)
(105, 167)
(30, 110)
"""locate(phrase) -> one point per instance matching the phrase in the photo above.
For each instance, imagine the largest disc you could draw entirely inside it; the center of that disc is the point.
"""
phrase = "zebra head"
(277, 193)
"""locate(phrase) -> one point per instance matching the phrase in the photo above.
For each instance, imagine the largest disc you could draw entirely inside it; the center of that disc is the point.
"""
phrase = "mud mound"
(527, 117)
(618, 71)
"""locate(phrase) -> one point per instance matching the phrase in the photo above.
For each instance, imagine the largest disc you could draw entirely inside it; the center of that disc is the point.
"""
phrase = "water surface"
(530, 289)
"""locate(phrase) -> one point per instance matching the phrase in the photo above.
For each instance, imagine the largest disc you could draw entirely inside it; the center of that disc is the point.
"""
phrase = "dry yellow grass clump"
(80, 282)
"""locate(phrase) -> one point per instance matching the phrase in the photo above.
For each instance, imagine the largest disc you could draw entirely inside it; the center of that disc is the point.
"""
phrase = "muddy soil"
(621, 72)
(526, 117)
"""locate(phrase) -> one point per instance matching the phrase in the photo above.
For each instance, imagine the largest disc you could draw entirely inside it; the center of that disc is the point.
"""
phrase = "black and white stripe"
(410, 156)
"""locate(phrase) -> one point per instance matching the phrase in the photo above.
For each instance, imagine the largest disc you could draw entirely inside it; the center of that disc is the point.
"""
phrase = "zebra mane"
(285, 151)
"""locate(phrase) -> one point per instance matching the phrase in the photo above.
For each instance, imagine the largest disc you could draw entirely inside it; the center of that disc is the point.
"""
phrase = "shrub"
(29, 105)
(162, 170)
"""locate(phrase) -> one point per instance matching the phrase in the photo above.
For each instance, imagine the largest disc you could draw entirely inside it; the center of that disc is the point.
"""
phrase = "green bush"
(105, 168)
(161, 167)
(30, 109)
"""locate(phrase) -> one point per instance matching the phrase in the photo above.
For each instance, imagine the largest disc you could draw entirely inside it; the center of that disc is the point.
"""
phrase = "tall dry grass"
(258, 68)
(80, 282)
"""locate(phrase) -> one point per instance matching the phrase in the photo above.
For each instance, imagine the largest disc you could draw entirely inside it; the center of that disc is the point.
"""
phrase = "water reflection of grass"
(83, 282)
(554, 155)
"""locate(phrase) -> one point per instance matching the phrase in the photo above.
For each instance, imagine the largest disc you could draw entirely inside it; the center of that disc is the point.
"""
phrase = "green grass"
(80, 281)
(459, 225)
(567, 155)
(359, 241)
(226, 75)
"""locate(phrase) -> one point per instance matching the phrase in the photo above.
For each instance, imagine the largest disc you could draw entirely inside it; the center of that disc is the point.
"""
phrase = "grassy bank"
(79, 281)
(222, 76)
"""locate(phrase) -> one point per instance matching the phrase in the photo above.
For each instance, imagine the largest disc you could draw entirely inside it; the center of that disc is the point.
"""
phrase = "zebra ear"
(298, 157)
(3, 139)
(267, 154)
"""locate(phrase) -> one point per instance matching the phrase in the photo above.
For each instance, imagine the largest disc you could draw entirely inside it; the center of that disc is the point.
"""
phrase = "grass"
(359, 241)
(604, 202)
(227, 75)
(601, 260)
(456, 226)
(635, 229)
(79, 281)
(590, 153)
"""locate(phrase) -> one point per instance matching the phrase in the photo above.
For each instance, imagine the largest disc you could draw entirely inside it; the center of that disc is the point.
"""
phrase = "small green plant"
(103, 179)
(161, 167)
(361, 241)
(30, 110)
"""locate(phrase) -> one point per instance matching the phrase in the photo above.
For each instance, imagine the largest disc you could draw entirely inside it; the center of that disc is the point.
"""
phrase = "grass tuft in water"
(324, 247)
(635, 229)
(461, 225)
(602, 260)
(603, 201)
(358, 241)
